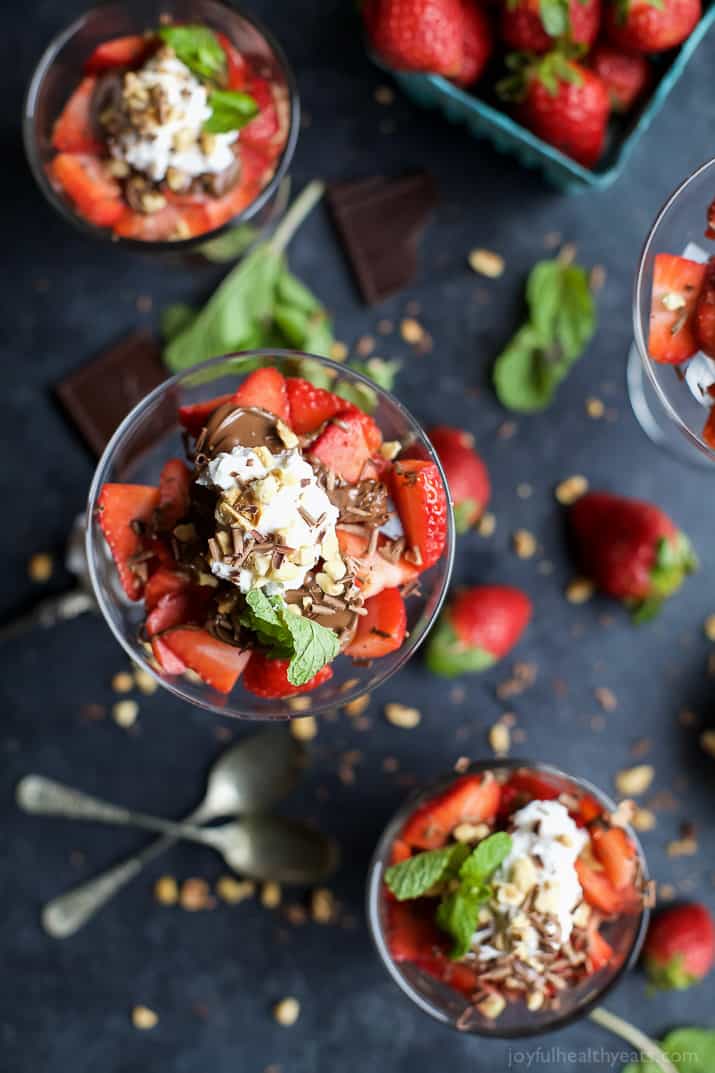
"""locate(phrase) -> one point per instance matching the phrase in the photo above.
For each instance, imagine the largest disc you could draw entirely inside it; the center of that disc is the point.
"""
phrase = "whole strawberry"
(478, 628)
(651, 25)
(560, 101)
(625, 75)
(535, 25)
(467, 476)
(631, 550)
(417, 35)
(680, 946)
(477, 43)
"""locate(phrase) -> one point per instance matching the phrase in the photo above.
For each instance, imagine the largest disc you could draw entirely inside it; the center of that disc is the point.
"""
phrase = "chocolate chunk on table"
(380, 222)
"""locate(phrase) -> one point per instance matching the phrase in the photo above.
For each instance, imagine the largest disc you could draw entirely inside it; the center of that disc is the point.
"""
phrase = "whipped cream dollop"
(167, 107)
(277, 496)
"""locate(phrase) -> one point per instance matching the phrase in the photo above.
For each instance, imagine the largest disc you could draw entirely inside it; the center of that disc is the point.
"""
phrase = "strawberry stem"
(612, 1023)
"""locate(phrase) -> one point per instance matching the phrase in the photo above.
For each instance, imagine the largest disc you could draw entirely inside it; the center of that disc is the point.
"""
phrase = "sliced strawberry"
(236, 66)
(615, 851)
(89, 186)
(73, 131)
(375, 572)
(257, 166)
(171, 610)
(412, 934)
(467, 476)
(266, 124)
(174, 486)
(267, 677)
(217, 211)
(370, 430)
(705, 312)
(166, 658)
(126, 51)
(194, 417)
(342, 447)
(677, 283)
(536, 786)
(598, 890)
(157, 227)
(265, 388)
(419, 495)
(310, 406)
(470, 799)
(600, 951)
(217, 663)
(400, 851)
(588, 810)
(122, 509)
(383, 629)
(163, 582)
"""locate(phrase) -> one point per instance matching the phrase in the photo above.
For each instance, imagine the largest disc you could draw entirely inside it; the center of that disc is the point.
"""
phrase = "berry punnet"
(168, 134)
(276, 546)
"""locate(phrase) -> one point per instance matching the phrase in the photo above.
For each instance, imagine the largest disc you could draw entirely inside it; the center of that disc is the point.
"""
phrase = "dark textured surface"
(213, 976)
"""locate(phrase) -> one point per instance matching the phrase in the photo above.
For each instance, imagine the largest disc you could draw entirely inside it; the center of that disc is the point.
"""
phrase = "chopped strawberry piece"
(267, 677)
(375, 572)
(342, 447)
(598, 890)
(400, 851)
(421, 501)
(217, 663)
(171, 610)
(372, 434)
(236, 66)
(265, 388)
(89, 186)
(163, 582)
(157, 227)
(411, 931)
(256, 166)
(536, 786)
(600, 950)
(194, 417)
(471, 799)
(460, 977)
(126, 51)
(705, 313)
(615, 851)
(217, 211)
(677, 283)
(588, 810)
(73, 131)
(121, 510)
(174, 486)
(310, 406)
(266, 124)
(383, 629)
(166, 658)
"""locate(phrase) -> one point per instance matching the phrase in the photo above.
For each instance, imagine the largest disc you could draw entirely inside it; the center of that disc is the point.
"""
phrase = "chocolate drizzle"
(237, 426)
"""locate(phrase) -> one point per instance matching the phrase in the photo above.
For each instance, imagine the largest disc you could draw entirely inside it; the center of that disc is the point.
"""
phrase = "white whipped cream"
(175, 142)
(294, 511)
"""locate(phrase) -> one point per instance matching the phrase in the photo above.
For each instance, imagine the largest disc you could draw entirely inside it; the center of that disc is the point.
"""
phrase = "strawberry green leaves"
(674, 560)
(448, 657)
(562, 320)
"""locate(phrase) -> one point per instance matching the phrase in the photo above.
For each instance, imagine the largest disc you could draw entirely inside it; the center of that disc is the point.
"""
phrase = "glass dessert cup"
(625, 933)
(60, 69)
(150, 435)
(671, 405)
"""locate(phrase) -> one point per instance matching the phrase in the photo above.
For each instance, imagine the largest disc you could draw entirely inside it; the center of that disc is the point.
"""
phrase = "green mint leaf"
(484, 860)
(414, 877)
(197, 47)
(291, 292)
(691, 1050)
(447, 657)
(313, 647)
(230, 110)
(381, 372)
(229, 246)
(457, 915)
(175, 319)
(520, 375)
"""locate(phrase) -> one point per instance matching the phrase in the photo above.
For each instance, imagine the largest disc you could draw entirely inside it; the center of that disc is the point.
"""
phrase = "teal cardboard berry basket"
(484, 120)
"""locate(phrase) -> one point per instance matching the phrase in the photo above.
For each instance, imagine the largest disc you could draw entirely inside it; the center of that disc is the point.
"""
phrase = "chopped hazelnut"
(571, 489)
(232, 891)
(411, 330)
(709, 627)
(144, 682)
(579, 590)
(305, 728)
(299, 704)
(500, 739)
(634, 781)
(358, 706)
(524, 543)
(707, 742)
(402, 716)
(486, 263)
(166, 890)
(338, 351)
(470, 832)
(144, 1018)
(287, 1011)
(492, 1006)
(40, 567)
(122, 682)
(125, 713)
(322, 905)
(271, 894)
(643, 819)
(595, 408)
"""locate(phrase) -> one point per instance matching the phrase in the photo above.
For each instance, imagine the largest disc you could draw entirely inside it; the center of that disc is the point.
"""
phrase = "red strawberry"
(73, 131)
(598, 890)
(122, 509)
(375, 573)
(267, 677)
(166, 659)
(600, 952)
(561, 102)
(467, 476)
(477, 43)
(680, 946)
(469, 799)
(126, 51)
(310, 406)
(411, 930)
(342, 447)
(88, 184)
(648, 26)
(370, 430)
(194, 417)
(417, 35)
(172, 610)
(677, 283)
(710, 230)
(383, 629)
(630, 549)
(163, 582)
(217, 663)
(614, 850)
(479, 627)
(705, 312)
(265, 388)
(535, 25)
(421, 501)
(626, 76)
(174, 485)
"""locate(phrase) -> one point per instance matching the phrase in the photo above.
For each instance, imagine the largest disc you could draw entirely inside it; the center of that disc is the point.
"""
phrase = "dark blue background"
(213, 976)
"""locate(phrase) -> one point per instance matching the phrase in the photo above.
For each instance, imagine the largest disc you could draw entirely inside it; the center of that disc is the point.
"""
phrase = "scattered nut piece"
(524, 543)
(643, 819)
(486, 263)
(384, 95)
(144, 1018)
(271, 894)
(411, 330)
(125, 713)
(470, 832)
(606, 698)
(682, 847)
(232, 890)
(144, 682)
(390, 449)
(365, 345)
(338, 351)
(486, 524)
(500, 739)
(634, 781)
(579, 590)
(122, 682)
(595, 407)
(287, 1011)
(322, 905)
(535, 1000)
(40, 567)
(299, 704)
(707, 742)
(195, 894)
(166, 890)
(571, 489)
(357, 707)
(492, 1006)
(305, 728)
(402, 716)
(597, 278)
(666, 892)
(709, 627)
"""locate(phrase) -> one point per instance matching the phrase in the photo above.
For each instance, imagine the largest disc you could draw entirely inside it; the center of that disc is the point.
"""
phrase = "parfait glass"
(671, 402)
(60, 67)
(625, 934)
(151, 434)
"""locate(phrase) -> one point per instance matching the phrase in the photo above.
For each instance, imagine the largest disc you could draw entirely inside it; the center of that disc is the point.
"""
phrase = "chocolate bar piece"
(380, 222)
(99, 395)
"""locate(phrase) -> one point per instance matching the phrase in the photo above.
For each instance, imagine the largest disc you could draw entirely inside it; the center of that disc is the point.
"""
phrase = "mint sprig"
(230, 110)
(308, 645)
(198, 47)
(417, 875)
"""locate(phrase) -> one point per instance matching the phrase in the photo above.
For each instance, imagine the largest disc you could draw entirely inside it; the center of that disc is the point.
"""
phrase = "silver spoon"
(261, 847)
(248, 777)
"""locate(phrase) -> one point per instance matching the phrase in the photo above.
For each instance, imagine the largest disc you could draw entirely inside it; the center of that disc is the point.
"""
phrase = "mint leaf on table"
(176, 318)
(484, 860)
(197, 47)
(230, 110)
(415, 876)
(457, 915)
(691, 1050)
(308, 645)
(381, 372)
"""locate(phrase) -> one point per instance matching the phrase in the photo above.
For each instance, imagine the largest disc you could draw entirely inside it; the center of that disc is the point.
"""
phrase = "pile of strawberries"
(569, 63)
